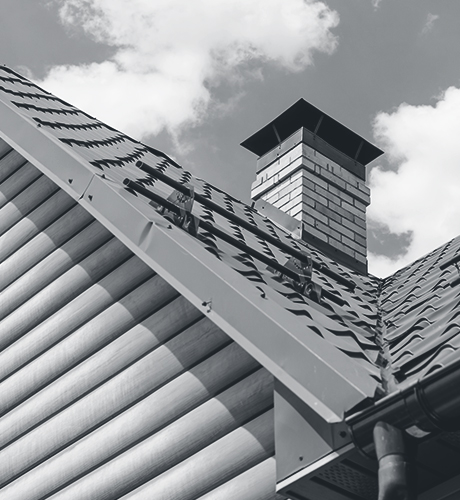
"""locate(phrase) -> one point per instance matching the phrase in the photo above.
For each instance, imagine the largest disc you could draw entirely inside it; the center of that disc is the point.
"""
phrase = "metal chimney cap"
(303, 114)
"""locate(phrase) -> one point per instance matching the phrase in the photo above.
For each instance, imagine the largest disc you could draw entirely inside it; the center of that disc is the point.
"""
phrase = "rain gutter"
(430, 404)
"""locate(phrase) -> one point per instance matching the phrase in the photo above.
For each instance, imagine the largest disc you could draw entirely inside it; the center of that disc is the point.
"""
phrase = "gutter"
(430, 404)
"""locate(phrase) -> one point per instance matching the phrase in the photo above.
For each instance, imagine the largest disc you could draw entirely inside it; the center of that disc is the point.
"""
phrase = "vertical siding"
(111, 384)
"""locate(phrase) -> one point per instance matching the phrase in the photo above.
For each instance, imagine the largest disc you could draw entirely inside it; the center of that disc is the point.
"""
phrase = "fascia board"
(323, 377)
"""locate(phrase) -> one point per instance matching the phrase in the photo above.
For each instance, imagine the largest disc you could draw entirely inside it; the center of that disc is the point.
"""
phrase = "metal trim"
(314, 467)
(268, 332)
(69, 172)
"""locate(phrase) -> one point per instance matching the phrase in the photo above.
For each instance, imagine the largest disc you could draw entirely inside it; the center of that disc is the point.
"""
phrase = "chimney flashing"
(280, 218)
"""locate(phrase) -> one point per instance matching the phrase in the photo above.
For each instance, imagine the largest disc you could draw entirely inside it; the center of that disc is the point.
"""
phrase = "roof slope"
(407, 322)
(420, 309)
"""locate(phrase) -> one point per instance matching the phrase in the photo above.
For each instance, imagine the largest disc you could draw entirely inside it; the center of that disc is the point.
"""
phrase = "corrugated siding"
(111, 384)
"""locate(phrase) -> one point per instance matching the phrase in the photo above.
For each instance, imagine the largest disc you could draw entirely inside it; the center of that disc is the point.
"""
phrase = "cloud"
(430, 19)
(170, 55)
(376, 3)
(420, 196)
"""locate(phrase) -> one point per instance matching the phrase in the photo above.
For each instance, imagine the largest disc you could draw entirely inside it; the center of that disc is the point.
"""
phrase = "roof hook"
(304, 283)
(184, 201)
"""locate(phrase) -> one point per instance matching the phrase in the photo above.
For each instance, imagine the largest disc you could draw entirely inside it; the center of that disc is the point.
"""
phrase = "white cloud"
(170, 54)
(429, 23)
(423, 195)
(376, 3)
(382, 266)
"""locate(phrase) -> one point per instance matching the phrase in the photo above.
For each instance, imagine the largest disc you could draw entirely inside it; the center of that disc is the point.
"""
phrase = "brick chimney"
(312, 168)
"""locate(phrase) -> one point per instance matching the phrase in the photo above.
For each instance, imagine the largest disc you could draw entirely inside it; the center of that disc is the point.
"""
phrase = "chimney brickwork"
(312, 168)
(330, 201)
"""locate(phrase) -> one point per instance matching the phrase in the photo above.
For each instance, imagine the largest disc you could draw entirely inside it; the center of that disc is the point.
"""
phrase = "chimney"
(312, 168)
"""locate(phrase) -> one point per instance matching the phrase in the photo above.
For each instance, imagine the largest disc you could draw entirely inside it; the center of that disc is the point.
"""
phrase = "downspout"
(395, 453)
(395, 477)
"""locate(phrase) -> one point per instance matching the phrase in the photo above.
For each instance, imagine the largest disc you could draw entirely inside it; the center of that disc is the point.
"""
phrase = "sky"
(195, 79)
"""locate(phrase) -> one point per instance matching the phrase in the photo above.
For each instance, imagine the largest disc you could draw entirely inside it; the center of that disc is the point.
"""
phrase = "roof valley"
(384, 359)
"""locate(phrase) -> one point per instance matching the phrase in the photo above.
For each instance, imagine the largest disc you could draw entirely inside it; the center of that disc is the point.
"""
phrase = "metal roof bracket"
(184, 217)
(304, 284)
(456, 280)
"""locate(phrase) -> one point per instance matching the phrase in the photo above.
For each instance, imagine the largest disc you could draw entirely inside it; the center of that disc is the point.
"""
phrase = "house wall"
(111, 384)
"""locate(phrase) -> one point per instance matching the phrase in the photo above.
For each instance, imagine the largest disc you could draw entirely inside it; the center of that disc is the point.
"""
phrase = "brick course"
(334, 216)
(355, 228)
(318, 216)
(342, 229)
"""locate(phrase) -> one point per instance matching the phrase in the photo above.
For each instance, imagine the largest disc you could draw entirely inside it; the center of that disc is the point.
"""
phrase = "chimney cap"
(303, 114)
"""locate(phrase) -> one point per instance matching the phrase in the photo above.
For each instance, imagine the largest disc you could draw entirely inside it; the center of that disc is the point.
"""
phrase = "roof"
(420, 308)
(375, 335)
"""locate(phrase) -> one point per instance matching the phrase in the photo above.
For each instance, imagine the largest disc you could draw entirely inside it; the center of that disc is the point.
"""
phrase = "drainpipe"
(389, 428)
(395, 454)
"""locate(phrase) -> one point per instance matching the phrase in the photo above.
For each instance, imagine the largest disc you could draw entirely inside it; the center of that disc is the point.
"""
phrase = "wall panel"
(111, 383)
